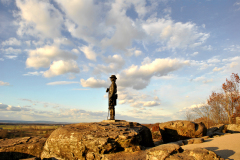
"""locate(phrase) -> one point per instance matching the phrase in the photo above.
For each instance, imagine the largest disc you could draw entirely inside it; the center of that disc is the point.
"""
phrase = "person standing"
(112, 96)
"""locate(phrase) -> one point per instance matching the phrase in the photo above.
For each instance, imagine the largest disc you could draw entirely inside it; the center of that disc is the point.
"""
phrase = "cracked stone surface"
(24, 147)
(94, 140)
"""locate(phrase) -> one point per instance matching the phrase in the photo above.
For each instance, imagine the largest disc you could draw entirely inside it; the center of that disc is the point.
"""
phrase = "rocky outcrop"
(223, 129)
(93, 140)
(163, 151)
(233, 128)
(217, 130)
(20, 148)
(173, 151)
(180, 130)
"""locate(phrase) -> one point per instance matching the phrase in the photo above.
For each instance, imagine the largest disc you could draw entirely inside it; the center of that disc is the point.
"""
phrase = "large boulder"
(219, 129)
(19, 148)
(93, 140)
(233, 128)
(175, 152)
(180, 130)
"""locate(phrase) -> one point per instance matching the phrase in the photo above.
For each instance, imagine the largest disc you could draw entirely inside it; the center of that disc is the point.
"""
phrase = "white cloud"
(216, 69)
(199, 78)
(4, 83)
(61, 82)
(42, 57)
(121, 36)
(133, 51)
(138, 77)
(208, 81)
(195, 53)
(175, 35)
(83, 19)
(150, 103)
(94, 83)
(233, 48)
(213, 60)
(36, 73)
(4, 107)
(89, 53)
(11, 50)
(75, 50)
(203, 79)
(11, 42)
(1, 59)
(116, 62)
(61, 67)
(48, 22)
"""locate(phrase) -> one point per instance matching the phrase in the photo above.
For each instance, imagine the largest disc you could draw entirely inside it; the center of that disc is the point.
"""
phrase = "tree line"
(221, 107)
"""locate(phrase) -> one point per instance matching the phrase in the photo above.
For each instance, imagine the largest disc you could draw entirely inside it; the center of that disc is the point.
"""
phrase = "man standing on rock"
(112, 97)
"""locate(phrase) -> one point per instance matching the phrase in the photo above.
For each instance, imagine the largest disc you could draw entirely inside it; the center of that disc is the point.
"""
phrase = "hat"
(113, 76)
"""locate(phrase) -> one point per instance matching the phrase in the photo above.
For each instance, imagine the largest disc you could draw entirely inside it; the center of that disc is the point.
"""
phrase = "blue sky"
(56, 57)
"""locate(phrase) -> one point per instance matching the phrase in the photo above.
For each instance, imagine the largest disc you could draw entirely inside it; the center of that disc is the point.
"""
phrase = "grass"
(26, 130)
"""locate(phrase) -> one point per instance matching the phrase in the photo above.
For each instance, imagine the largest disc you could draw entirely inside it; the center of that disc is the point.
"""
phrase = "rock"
(180, 130)
(233, 128)
(195, 154)
(157, 142)
(175, 152)
(163, 151)
(205, 137)
(20, 148)
(180, 143)
(217, 130)
(93, 140)
(193, 141)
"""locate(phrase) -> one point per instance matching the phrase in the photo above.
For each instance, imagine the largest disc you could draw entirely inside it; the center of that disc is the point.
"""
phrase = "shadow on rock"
(225, 153)
(15, 156)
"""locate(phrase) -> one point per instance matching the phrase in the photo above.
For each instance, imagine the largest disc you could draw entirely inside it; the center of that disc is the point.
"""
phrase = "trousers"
(112, 112)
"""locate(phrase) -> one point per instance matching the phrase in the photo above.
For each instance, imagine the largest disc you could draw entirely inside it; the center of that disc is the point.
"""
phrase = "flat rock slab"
(226, 146)
(94, 140)
(20, 148)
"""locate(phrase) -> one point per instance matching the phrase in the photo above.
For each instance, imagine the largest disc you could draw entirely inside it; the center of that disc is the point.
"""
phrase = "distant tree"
(189, 115)
(203, 111)
(216, 110)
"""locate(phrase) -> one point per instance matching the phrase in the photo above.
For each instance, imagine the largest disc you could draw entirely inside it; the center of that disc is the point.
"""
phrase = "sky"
(56, 57)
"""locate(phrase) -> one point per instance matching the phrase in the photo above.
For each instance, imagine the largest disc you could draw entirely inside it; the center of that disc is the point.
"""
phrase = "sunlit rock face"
(19, 148)
(179, 130)
(94, 140)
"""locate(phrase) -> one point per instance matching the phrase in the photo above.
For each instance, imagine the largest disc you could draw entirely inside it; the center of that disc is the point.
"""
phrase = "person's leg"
(111, 113)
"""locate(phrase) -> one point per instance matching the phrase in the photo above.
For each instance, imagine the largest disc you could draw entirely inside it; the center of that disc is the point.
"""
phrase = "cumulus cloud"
(4, 83)
(121, 36)
(138, 77)
(116, 62)
(42, 57)
(175, 35)
(94, 83)
(89, 53)
(62, 67)
(48, 22)
(11, 42)
(61, 82)
(4, 107)
(82, 19)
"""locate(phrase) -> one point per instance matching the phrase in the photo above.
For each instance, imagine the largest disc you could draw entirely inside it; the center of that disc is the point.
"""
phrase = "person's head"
(113, 78)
